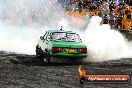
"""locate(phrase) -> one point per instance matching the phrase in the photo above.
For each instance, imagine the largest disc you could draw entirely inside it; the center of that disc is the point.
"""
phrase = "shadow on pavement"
(29, 60)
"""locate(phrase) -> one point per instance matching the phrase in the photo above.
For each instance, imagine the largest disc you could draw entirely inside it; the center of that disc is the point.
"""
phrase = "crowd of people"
(117, 13)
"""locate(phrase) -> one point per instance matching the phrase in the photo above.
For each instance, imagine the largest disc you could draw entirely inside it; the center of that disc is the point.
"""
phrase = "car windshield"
(58, 36)
(73, 37)
(66, 37)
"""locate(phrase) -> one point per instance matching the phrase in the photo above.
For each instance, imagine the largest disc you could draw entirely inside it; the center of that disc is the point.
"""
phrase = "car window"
(58, 36)
(73, 38)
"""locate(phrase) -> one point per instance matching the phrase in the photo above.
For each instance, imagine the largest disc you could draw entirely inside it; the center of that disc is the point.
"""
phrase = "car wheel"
(45, 57)
(38, 50)
(82, 80)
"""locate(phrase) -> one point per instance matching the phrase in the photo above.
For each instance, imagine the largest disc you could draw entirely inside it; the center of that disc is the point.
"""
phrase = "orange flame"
(81, 71)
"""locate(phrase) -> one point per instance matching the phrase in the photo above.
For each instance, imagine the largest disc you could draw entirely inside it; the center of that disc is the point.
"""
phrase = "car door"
(48, 42)
(43, 42)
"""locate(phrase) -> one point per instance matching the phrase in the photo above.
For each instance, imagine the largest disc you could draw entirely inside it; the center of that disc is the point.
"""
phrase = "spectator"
(93, 7)
(66, 5)
(120, 7)
(94, 1)
(127, 1)
(128, 15)
(85, 4)
(105, 19)
(111, 11)
(80, 5)
(95, 13)
(111, 20)
(116, 2)
(98, 3)
(76, 4)
(100, 13)
(120, 1)
(67, 2)
(112, 6)
(105, 6)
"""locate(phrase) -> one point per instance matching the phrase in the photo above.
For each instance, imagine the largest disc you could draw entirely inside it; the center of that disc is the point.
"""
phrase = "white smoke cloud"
(102, 42)
(22, 22)
(20, 40)
(105, 44)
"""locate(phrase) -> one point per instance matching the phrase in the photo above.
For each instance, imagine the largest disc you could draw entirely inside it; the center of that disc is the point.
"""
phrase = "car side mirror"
(41, 37)
(49, 37)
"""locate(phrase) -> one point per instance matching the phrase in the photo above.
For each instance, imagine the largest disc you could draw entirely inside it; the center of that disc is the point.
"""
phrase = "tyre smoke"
(21, 40)
(103, 43)
(22, 22)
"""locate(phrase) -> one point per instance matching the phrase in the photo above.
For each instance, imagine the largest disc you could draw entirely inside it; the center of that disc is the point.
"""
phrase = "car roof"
(52, 31)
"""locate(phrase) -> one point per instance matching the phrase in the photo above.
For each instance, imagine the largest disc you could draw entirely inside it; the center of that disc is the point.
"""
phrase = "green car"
(60, 45)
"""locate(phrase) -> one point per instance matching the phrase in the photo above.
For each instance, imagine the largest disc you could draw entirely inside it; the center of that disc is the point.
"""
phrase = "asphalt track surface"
(25, 71)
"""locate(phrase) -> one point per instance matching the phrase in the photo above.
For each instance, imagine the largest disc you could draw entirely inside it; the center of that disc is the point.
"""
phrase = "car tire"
(82, 80)
(46, 57)
(43, 56)
(38, 50)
